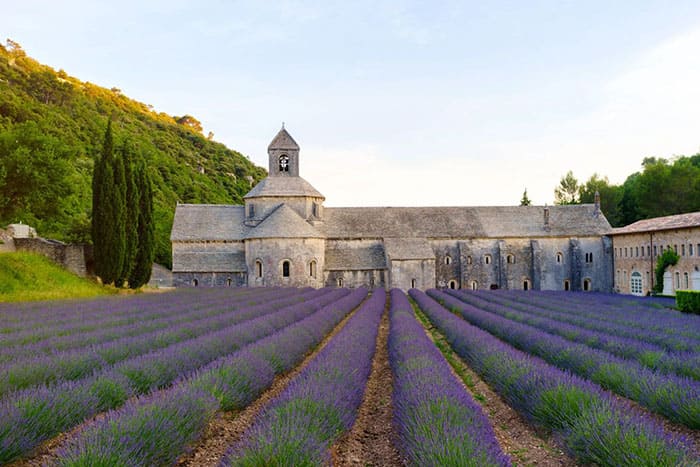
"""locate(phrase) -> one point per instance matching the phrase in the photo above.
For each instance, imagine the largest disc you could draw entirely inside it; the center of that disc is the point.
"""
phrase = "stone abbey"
(284, 236)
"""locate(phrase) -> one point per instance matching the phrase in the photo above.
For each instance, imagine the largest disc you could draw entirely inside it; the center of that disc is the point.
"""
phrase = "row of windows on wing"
(285, 268)
(637, 251)
(510, 259)
(586, 284)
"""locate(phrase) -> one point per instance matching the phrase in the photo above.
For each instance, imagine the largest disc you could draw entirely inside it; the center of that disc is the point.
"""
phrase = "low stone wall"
(69, 256)
(7, 243)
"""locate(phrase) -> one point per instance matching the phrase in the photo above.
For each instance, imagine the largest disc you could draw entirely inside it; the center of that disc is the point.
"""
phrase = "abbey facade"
(284, 236)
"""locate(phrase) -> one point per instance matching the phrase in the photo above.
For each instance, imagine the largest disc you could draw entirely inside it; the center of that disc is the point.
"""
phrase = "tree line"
(662, 188)
(123, 234)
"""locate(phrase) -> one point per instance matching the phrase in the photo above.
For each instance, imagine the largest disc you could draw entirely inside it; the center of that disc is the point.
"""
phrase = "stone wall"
(7, 243)
(412, 273)
(272, 253)
(209, 279)
(68, 256)
(372, 278)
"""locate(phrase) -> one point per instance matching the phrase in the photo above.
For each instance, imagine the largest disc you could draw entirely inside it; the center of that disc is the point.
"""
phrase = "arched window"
(195, 282)
(251, 210)
(487, 259)
(475, 285)
(686, 281)
(526, 284)
(678, 280)
(285, 268)
(284, 163)
(258, 268)
(469, 260)
(586, 285)
(453, 284)
(340, 282)
(312, 268)
(510, 259)
(448, 259)
(560, 257)
(228, 282)
(413, 283)
(636, 283)
(567, 285)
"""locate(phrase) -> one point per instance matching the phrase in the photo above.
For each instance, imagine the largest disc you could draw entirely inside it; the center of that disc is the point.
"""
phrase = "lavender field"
(143, 380)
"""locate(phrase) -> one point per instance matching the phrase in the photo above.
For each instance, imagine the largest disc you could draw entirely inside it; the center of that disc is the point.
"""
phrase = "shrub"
(688, 301)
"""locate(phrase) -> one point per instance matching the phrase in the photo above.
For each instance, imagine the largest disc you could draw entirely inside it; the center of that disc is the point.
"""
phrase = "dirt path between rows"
(517, 438)
(227, 428)
(370, 442)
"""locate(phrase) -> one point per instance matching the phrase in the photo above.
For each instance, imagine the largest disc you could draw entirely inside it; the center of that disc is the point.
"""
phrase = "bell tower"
(283, 154)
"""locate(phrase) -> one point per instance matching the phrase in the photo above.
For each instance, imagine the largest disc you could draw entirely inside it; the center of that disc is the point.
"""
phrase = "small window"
(312, 268)
(526, 284)
(285, 268)
(314, 209)
(339, 281)
(453, 284)
(690, 249)
(625, 252)
(195, 282)
(251, 210)
(686, 282)
(567, 285)
(413, 283)
(655, 253)
(474, 285)
(648, 250)
(683, 250)
(284, 163)
(510, 259)
(617, 277)
(258, 268)
(636, 251)
(678, 280)
(448, 259)
(560, 257)
(586, 285)
(487, 259)
(675, 248)
(228, 282)
(469, 258)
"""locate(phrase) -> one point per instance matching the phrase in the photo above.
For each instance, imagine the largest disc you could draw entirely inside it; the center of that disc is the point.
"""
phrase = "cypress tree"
(131, 214)
(141, 272)
(116, 232)
(101, 177)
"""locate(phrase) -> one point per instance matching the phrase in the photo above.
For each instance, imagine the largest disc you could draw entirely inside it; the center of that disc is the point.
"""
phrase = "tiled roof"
(198, 222)
(679, 221)
(408, 248)
(347, 258)
(283, 186)
(283, 222)
(463, 222)
(283, 140)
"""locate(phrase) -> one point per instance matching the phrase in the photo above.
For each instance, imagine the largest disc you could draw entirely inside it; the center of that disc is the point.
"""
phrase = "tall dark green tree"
(141, 272)
(108, 213)
(131, 206)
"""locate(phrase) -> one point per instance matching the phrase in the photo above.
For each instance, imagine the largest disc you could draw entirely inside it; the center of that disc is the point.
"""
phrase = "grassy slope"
(27, 276)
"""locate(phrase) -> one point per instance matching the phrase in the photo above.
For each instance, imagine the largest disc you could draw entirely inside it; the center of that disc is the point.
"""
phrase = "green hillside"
(51, 128)
(27, 276)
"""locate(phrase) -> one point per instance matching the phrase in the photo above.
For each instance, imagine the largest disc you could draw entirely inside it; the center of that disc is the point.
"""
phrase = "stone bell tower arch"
(283, 154)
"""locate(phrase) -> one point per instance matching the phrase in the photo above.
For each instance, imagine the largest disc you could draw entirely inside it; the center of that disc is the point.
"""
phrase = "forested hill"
(52, 127)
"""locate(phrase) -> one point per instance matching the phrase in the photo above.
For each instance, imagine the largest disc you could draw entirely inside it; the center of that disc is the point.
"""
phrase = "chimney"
(546, 218)
(597, 202)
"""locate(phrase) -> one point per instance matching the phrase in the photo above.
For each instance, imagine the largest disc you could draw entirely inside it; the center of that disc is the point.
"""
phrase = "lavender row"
(156, 429)
(650, 355)
(320, 404)
(80, 363)
(676, 398)
(581, 317)
(162, 329)
(595, 427)
(31, 416)
(622, 310)
(102, 317)
(437, 421)
(64, 313)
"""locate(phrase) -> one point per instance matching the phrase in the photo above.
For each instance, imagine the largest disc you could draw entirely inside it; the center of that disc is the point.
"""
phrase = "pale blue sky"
(401, 103)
